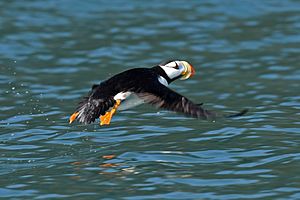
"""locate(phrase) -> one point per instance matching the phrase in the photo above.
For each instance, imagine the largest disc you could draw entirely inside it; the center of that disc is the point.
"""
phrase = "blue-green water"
(246, 54)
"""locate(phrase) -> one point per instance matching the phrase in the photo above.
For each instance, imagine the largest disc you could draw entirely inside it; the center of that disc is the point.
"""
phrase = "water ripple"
(245, 55)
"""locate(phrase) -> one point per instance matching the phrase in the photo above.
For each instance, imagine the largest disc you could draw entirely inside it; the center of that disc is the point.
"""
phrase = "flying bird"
(141, 85)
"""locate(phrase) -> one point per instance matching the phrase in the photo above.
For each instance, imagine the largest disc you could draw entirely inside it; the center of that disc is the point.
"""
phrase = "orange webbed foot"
(105, 119)
(73, 117)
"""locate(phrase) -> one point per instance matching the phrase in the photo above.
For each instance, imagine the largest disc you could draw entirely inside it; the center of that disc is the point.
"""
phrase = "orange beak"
(192, 71)
(188, 72)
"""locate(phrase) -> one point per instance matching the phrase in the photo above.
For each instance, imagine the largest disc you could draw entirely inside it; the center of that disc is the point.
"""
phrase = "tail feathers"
(241, 113)
(90, 109)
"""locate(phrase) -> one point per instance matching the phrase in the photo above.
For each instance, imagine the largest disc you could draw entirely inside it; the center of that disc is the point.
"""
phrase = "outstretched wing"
(93, 105)
(165, 98)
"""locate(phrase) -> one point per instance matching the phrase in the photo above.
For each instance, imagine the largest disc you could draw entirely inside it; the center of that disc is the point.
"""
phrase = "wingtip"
(241, 113)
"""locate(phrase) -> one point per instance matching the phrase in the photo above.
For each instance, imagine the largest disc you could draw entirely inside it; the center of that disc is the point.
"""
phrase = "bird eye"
(176, 66)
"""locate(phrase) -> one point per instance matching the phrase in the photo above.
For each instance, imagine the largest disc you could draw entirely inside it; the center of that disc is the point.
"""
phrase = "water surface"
(246, 55)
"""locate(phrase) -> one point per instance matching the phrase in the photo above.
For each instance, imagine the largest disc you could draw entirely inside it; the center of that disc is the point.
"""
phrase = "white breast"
(122, 95)
(129, 100)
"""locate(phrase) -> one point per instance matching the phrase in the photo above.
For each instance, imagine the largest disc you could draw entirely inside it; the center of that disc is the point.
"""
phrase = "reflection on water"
(245, 54)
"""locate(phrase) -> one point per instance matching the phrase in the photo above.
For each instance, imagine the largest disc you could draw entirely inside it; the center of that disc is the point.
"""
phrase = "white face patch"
(171, 64)
(173, 69)
(171, 72)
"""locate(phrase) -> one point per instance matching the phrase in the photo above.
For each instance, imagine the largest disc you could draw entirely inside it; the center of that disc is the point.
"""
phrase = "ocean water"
(246, 55)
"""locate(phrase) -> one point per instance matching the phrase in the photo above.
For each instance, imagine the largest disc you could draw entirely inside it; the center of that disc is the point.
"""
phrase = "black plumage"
(144, 83)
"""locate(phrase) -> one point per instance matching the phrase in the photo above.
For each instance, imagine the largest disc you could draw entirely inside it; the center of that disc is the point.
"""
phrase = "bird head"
(177, 69)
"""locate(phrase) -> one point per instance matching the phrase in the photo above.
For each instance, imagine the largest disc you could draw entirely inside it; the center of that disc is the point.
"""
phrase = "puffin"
(137, 86)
